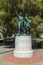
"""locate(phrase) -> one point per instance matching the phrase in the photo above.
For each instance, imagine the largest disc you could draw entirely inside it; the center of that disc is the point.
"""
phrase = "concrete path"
(4, 51)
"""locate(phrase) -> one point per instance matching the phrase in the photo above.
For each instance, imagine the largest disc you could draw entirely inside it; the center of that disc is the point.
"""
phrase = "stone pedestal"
(23, 47)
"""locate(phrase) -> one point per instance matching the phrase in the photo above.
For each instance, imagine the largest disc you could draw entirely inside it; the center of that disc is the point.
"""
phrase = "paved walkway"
(4, 51)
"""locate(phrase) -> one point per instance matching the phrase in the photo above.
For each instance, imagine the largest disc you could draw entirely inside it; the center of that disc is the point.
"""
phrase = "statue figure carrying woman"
(27, 24)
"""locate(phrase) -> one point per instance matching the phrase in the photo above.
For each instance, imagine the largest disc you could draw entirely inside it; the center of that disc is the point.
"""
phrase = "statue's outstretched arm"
(16, 11)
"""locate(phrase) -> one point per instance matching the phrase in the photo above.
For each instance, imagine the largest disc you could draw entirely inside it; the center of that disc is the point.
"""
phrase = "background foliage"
(8, 19)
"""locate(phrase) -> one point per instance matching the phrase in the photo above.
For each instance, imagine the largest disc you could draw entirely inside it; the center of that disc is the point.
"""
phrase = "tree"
(36, 21)
(32, 7)
(9, 20)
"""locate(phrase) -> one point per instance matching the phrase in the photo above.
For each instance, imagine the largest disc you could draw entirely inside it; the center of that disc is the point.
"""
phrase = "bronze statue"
(23, 23)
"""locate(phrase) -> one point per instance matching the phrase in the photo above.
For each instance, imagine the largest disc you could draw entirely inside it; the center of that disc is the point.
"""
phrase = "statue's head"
(20, 14)
(26, 14)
